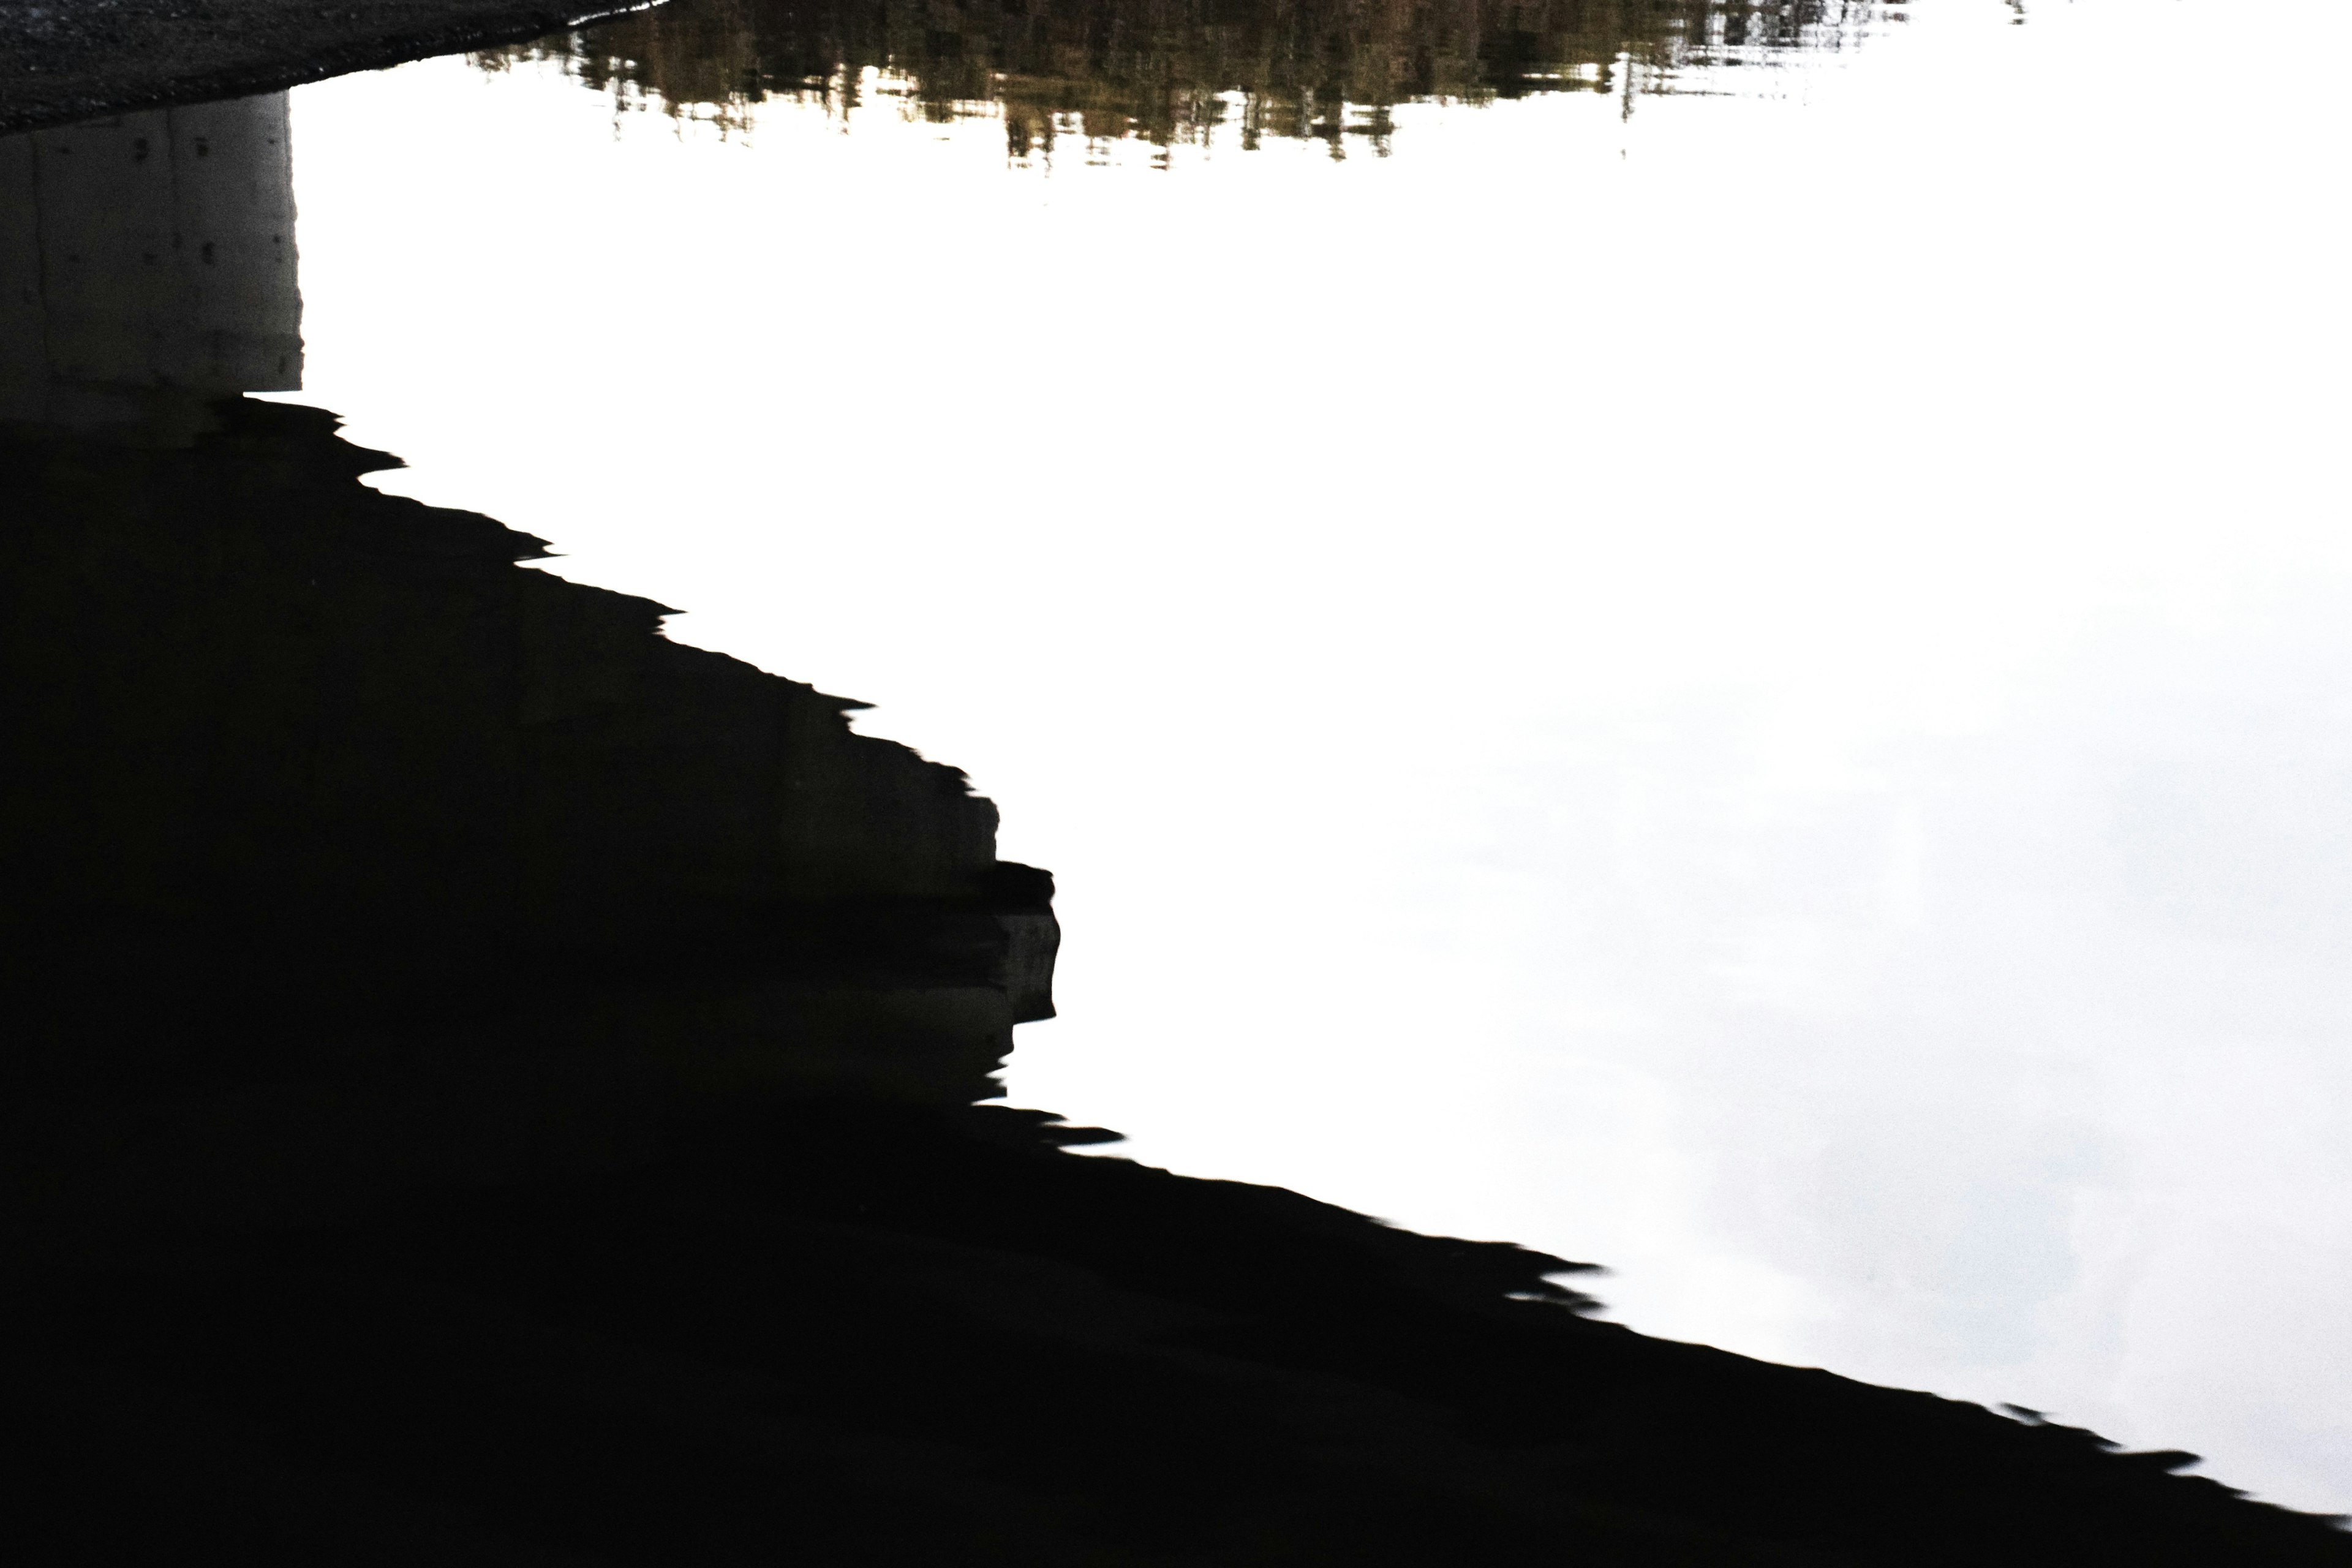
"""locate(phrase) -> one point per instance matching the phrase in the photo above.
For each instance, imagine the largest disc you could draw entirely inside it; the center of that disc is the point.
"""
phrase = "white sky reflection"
(1762, 694)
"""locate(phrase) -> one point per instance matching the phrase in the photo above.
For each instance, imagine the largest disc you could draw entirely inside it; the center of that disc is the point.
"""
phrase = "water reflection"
(489, 1084)
(147, 263)
(1191, 72)
(1642, 616)
(315, 759)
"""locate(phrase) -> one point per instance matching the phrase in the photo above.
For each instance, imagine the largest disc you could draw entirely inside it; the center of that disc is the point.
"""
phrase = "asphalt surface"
(64, 60)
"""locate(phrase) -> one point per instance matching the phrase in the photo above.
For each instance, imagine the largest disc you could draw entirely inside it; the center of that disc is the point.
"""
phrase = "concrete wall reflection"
(147, 258)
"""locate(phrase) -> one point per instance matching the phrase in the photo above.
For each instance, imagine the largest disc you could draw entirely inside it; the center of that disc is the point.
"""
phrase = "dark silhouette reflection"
(316, 757)
(486, 1084)
(1171, 71)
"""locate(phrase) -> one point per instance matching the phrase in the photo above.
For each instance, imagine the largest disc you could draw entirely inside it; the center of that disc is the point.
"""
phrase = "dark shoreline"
(59, 64)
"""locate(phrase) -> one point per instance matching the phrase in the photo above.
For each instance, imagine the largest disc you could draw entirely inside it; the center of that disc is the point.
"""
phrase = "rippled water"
(1711, 639)
(1180, 74)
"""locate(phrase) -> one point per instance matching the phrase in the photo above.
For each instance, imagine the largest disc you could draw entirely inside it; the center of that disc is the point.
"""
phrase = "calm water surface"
(1720, 641)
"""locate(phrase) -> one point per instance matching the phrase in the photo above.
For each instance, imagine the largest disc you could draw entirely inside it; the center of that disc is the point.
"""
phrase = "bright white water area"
(1759, 692)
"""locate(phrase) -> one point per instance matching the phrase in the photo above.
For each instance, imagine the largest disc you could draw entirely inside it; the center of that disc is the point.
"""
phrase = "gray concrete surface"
(64, 60)
(150, 251)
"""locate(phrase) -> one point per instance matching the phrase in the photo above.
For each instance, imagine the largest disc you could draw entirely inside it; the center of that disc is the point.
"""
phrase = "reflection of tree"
(1172, 71)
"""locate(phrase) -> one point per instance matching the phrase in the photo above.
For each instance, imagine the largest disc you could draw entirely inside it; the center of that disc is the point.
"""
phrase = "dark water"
(1749, 690)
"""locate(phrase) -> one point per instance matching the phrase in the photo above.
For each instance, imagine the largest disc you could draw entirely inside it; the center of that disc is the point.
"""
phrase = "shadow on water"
(1175, 71)
(487, 1084)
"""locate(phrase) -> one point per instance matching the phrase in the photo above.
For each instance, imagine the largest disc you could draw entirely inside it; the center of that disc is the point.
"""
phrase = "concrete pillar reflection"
(147, 264)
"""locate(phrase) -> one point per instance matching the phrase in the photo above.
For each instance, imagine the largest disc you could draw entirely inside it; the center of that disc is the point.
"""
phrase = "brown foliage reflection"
(1174, 72)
